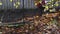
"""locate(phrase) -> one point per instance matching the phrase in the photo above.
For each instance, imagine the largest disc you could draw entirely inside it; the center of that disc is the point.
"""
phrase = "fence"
(19, 4)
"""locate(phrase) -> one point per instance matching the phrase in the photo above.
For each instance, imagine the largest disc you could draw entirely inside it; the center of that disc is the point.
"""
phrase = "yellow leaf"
(11, 0)
(0, 3)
